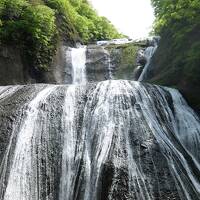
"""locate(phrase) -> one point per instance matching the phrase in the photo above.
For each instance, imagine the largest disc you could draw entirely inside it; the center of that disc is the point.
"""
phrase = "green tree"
(35, 26)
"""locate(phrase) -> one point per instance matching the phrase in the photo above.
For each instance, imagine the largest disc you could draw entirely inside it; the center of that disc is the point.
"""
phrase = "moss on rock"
(123, 58)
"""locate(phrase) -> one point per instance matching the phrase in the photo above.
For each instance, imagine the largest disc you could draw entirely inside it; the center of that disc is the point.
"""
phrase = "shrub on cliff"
(36, 25)
(30, 26)
(178, 63)
(41, 35)
(180, 20)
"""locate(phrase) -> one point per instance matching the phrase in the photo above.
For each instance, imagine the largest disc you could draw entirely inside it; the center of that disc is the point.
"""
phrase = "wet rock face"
(60, 71)
(12, 70)
(97, 62)
(15, 102)
(124, 60)
(112, 61)
(15, 70)
(102, 63)
(158, 183)
(110, 140)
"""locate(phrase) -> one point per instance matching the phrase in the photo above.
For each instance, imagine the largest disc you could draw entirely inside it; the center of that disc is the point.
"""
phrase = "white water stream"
(78, 56)
(110, 140)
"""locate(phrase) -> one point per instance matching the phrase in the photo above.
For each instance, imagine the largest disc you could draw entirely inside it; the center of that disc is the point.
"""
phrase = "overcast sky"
(132, 17)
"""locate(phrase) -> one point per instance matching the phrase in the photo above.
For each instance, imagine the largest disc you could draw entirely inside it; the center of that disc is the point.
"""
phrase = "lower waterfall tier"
(114, 140)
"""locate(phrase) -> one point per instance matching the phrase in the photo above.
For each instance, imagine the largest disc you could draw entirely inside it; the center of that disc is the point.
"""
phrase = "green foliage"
(178, 23)
(12, 9)
(10, 13)
(98, 28)
(87, 23)
(35, 25)
(39, 24)
(30, 26)
(176, 15)
(124, 57)
(181, 20)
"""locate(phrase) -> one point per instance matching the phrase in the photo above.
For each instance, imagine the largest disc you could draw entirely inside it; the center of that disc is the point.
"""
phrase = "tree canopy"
(36, 25)
(178, 24)
(179, 15)
(77, 13)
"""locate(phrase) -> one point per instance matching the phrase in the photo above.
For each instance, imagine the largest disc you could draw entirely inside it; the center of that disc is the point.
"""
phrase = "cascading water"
(30, 167)
(110, 140)
(148, 53)
(78, 56)
(106, 138)
(110, 74)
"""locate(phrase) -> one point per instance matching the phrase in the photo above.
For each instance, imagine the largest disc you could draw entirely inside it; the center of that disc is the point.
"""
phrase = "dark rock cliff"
(14, 67)
(102, 62)
(116, 60)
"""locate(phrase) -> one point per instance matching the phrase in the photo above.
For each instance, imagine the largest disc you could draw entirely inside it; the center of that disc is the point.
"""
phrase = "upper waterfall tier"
(78, 56)
(95, 63)
(107, 141)
(148, 53)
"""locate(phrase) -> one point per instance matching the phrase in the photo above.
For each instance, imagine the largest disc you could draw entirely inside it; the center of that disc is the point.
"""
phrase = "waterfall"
(108, 140)
(78, 56)
(137, 72)
(110, 74)
(25, 176)
(148, 53)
